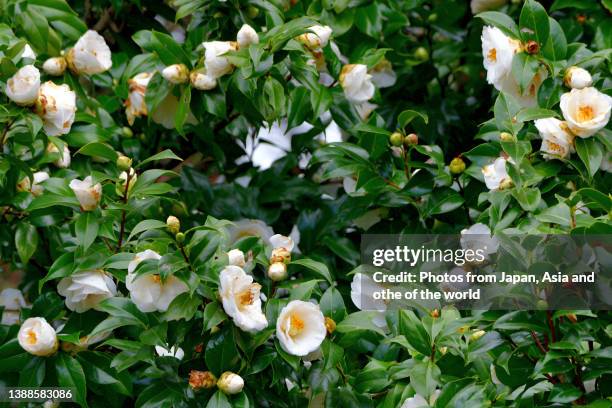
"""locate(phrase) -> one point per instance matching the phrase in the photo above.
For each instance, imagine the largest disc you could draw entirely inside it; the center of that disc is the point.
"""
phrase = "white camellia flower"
(230, 383)
(123, 179)
(528, 97)
(280, 241)
(383, 75)
(22, 88)
(557, 140)
(300, 328)
(173, 351)
(495, 174)
(90, 55)
(363, 288)
(176, 73)
(148, 292)
(240, 298)
(55, 66)
(586, 110)
(216, 64)
(37, 337)
(28, 52)
(497, 51)
(87, 193)
(236, 258)
(577, 78)
(478, 6)
(418, 401)
(12, 301)
(249, 228)
(84, 290)
(247, 36)
(135, 105)
(202, 81)
(56, 104)
(478, 237)
(38, 177)
(356, 83)
(318, 37)
(64, 160)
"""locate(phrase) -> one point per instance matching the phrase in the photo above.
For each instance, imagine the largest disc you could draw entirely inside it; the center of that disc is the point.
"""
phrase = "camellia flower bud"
(246, 36)
(532, 47)
(421, 54)
(330, 325)
(457, 166)
(123, 178)
(37, 337)
(477, 334)
(202, 81)
(280, 255)
(127, 132)
(230, 383)
(180, 237)
(411, 140)
(173, 224)
(124, 163)
(63, 161)
(201, 379)
(236, 257)
(176, 74)
(435, 313)
(396, 139)
(22, 88)
(90, 55)
(87, 193)
(506, 184)
(277, 271)
(578, 78)
(55, 66)
(507, 137)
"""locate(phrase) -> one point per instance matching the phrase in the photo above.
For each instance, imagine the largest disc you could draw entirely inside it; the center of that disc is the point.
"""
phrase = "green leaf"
(98, 370)
(99, 150)
(184, 306)
(86, 228)
(502, 21)
(183, 110)
(218, 400)
(359, 321)
(213, 315)
(425, 377)
(533, 23)
(51, 200)
(524, 68)
(70, 375)
(506, 109)
(557, 214)
(555, 48)
(408, 116)
(298, 107)
(33, 374)
(164, 155)
(26, 241)
(332, 304)
(317, 267)
(168, 50)
(528, 198)
(564, 394)
(221, 353)
(145, 225)
(441, 201)
(528, 114)
(516, 150)
(590, 153)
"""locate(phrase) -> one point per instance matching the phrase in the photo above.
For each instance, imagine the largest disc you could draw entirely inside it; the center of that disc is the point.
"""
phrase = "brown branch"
(551, 326)
(104, 20)
(538, 342)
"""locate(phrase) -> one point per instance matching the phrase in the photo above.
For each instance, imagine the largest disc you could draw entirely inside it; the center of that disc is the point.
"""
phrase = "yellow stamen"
(156, 278)
(492, 55)
(296, 325)
(585, 113)
(32, 339)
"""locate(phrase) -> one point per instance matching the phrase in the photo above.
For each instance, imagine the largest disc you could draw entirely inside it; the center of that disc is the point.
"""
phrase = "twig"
(105, 18)
(538, 342)
(123, 212)
(551, 326)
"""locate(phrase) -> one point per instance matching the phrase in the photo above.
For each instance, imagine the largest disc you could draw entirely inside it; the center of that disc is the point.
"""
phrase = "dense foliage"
(184, 186)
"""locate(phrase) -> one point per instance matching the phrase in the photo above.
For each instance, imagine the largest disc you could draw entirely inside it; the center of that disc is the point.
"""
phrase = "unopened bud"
(55, 66)
(507, 137)
(230, 383)
(572, 317)
(280, 255)
(127, 132)
(180, 237)
(542, 304)
(202, 379)
(477, 334)
(435, 313)
(236, 257)
(176, 73)
(578, 78)
(443, 350)
(124, 163)
(330, 325)
(252, 12)
(411, 140)
(173, 224)
(396, 139)
(532, 47)
(277, 271)
(457, 166)
(421, 54)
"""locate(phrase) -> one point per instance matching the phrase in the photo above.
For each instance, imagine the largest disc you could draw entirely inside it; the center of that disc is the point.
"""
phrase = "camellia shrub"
(184, 186)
